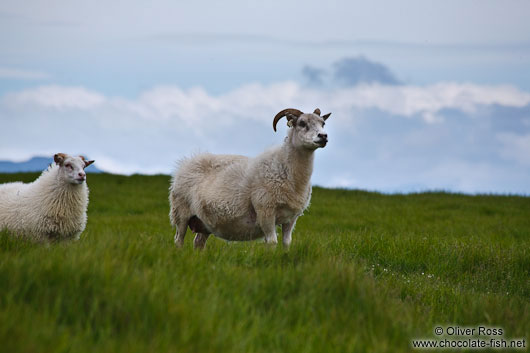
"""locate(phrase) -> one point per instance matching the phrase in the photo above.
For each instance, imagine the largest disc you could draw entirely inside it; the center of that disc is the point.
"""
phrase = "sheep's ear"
(326, 116)
(291, 120)
(87, 163)
(59, 158)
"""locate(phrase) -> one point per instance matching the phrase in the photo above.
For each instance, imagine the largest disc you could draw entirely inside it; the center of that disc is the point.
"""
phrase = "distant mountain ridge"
(35, 164)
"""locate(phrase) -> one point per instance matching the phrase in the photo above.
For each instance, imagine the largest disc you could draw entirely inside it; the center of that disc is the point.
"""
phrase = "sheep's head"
(71, 168)
(308, 129)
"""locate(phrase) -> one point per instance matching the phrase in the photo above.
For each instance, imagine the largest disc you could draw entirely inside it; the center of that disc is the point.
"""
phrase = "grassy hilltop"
(365, 272)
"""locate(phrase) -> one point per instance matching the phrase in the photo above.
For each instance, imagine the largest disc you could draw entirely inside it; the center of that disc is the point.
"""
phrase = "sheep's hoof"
(271, 241)
(179, 242)
(200, 241)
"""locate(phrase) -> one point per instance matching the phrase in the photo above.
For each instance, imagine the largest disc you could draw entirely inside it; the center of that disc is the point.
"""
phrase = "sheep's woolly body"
(240, 198)
(47, 209)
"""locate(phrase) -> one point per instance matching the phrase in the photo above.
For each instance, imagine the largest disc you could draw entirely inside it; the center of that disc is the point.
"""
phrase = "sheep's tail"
(173, 215)
(177, 203)
(174, 204)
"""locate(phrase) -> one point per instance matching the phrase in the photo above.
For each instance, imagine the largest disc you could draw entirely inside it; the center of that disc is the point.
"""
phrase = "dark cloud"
(352, 71)
(314, 75)
(349, 71)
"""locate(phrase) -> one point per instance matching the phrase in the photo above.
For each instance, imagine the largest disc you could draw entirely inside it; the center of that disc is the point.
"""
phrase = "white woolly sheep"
(240, 198)
(53, 207)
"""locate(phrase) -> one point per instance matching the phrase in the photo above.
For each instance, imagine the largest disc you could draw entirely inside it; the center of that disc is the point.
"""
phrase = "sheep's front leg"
(267, 224)
(287, 230)
(181, 233)
(200, 240)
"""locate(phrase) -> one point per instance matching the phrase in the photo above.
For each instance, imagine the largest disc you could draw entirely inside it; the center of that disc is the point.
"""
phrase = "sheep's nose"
(323, 136)
(82, 175)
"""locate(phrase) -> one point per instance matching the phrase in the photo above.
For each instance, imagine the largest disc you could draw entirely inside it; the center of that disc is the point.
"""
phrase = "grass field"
(365, 272)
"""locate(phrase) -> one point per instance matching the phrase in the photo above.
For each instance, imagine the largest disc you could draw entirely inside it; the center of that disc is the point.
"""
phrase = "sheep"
(53, 207)
(241, 198)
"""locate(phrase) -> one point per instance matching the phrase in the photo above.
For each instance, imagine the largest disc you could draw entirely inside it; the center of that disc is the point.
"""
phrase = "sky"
(424, 95)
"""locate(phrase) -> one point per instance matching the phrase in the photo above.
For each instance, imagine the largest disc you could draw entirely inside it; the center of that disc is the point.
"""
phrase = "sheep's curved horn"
(290, 113)
(317, 112)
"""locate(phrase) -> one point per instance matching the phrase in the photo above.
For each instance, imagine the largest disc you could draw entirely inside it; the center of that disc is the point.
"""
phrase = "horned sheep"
(239, 198)
(53, 207)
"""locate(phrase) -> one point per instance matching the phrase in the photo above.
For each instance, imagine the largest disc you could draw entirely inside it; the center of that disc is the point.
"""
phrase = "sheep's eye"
(302, 123)
(323, 124)
(68, 165)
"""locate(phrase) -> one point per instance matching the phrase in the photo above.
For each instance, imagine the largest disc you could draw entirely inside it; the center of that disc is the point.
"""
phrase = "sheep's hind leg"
(200, 240)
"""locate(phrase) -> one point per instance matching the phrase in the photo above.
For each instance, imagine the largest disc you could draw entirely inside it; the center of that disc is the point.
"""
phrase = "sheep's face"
(309, 131)
(72, 169)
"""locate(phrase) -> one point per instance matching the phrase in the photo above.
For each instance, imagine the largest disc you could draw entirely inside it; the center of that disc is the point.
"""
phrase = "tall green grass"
(365, 272)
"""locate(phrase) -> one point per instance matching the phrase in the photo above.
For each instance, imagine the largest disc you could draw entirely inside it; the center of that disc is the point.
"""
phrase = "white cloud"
(341, 181)
(428, 101)
(166, 102)
(21, 154)
(381, 137)
(56, 97)
(18, 74)
(117, 166)
(256, 101)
